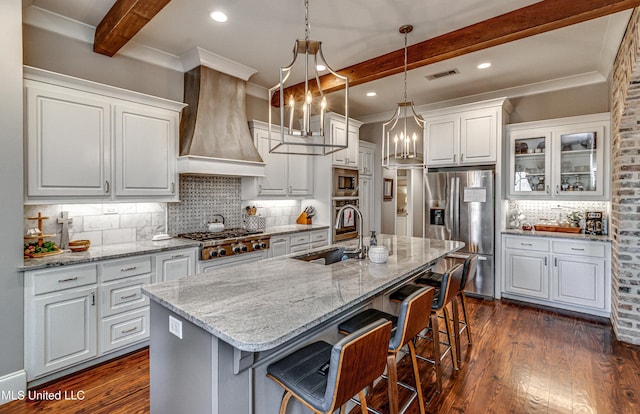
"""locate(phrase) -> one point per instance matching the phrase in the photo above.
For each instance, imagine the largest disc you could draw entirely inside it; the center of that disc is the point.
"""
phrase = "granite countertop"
(554, 234)
(261, 305)
(111, 251)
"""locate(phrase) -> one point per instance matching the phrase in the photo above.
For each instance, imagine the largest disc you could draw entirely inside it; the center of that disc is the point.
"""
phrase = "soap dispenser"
(372, 239)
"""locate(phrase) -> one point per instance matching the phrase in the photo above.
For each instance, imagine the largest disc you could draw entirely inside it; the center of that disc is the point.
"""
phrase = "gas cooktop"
(220, 235)
(228, 242)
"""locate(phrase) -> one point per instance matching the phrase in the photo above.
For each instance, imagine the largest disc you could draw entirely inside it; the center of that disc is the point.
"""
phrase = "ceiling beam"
(122, 22)
(528, 21)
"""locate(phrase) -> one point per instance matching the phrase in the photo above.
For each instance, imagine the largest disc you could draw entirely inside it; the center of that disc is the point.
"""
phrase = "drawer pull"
(128, 269)
(555, 261)
(133, 295)
(69, 279)
(126, 331)
(526, 244)
(545, 260)
(177, 256)
(577, 250)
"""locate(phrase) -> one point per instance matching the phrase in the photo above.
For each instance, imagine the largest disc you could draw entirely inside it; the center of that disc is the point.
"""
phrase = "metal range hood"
(214, 134)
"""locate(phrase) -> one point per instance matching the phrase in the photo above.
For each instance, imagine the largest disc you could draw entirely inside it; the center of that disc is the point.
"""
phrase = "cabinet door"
(353, 151)
(478, 137)
(366, 204)
(300, 175)
(578, 281)
(174, 265)
(579, 161)
(442, 136)
(64, 331)
(68, 143)
(274, 181)
(530, 164)
(279, 246)
(527, 273)
(339, 136)
(145, 151)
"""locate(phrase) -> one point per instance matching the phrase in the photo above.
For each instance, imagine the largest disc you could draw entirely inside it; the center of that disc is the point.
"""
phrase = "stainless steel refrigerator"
(460, 205)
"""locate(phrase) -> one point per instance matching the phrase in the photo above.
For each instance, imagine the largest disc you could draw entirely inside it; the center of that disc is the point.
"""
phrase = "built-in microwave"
(345, 182)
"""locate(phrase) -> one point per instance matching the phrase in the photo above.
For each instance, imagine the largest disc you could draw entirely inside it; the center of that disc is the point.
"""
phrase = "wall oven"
(348, 224)
(345, 182)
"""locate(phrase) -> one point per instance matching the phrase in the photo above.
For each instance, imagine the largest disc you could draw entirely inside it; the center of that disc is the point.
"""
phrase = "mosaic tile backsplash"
(102, 223)
(276, 212)
(536, 211)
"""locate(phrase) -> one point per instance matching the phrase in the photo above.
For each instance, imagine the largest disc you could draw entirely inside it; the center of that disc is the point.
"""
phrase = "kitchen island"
(229, 325)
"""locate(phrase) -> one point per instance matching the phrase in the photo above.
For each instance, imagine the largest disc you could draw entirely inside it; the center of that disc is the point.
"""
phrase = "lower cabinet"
(564, 273)
(297, 242)
(176, 264)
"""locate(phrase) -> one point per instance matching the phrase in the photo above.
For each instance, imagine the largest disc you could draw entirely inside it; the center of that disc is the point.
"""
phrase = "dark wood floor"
(523, 360)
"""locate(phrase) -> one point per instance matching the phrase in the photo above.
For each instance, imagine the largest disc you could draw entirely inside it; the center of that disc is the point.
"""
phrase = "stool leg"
(392, 382)
(436, 350)
(342, 408)
(285, 400)
(456, 328)
(463, 300)
(416, 375)
(363, 402)
(452, 341)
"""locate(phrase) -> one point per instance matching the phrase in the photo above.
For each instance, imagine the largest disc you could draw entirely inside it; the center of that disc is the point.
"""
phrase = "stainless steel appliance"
(227, 247)
(348, 228)
(345, 182)
(460, 205)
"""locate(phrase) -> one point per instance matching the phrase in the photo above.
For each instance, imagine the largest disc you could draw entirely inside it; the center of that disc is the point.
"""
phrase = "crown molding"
(199, 56)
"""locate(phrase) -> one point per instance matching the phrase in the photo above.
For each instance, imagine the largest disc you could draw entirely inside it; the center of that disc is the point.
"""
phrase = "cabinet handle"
(133, 295)
(127, 269)
(461, 157)
(177, 256)
(545, 260)
(259, 188)
(126, 331)
(547, 191)
(555, 261)
(69, 279)
(107, 187)
(93, 298)
(290, 188)
(557, 189)
(454, 157)
(526, 244)
(577, 250)
(173, 188)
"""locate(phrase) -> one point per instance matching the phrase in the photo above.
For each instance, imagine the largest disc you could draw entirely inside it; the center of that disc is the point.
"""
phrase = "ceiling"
(260, 34)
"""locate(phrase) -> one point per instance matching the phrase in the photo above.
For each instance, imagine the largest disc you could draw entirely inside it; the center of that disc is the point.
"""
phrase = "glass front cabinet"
(562, 158)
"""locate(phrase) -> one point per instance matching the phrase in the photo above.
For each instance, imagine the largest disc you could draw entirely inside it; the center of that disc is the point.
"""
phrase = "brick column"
(625, 186)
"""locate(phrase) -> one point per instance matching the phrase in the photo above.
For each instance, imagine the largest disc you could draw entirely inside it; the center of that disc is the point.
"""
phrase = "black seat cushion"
(430, 278)
(401, 294)
(364, 318)
(305, 371)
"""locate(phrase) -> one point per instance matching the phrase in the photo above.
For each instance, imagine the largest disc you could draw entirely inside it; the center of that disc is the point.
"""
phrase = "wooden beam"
(528, 21)
(122, 22)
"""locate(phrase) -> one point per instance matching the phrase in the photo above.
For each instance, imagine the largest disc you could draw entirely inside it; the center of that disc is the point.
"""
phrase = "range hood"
(214, 134)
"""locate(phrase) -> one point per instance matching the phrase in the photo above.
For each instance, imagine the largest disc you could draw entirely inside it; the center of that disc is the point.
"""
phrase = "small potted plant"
(574, 218)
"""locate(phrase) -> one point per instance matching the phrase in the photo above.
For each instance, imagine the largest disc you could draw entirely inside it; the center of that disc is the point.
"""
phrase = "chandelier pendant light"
(302, 117)
(403, 134)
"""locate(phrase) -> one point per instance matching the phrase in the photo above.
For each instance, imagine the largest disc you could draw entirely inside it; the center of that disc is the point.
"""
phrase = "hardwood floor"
(523, 360)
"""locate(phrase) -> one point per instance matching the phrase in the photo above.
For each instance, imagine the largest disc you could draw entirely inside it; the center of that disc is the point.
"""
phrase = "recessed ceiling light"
(320, 68)
(484, 65)
(371, 94)
(218, 16)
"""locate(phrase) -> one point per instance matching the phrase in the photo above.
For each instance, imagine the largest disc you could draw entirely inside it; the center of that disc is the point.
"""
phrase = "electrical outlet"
(175, 327)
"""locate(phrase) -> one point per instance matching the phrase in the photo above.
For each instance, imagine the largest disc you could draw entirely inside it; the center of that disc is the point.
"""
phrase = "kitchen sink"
(325, 257)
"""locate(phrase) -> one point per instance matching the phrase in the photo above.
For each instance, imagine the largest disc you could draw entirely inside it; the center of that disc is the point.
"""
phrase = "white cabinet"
(466, 134)
(339, 134)
(89, 142)
(278, 245)
(367, 203)
(175, 264)
(285, 174)
(366, 158)
(60, 318)
(297, 242)
(564, 273)
(564, 158)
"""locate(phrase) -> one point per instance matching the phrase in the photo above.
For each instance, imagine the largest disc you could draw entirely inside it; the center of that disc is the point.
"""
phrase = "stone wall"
(625, 184)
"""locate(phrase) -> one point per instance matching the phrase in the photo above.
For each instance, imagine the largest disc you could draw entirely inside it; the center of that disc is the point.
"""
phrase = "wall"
(625, 201)
(51, 51)
(11, 285)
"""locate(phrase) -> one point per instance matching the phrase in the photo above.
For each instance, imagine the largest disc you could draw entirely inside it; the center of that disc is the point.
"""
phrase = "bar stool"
(434, 279)
(324, 377)
(409, 322)
(449, 288)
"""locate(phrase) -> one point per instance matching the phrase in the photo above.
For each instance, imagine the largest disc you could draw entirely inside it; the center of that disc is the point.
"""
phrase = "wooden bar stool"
(446, 294)
(410, 321)
(434, 279)
(324, 377)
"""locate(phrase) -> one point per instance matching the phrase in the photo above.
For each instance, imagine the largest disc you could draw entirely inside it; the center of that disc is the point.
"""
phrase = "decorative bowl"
(79, 245)
(378, 254)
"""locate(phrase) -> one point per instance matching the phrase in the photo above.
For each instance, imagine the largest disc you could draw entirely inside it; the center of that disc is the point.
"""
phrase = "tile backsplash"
(276, 212)
(536, 211)
(102, 223)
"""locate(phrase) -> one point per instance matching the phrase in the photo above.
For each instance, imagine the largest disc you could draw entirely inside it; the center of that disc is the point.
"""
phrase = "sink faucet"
(360, 253)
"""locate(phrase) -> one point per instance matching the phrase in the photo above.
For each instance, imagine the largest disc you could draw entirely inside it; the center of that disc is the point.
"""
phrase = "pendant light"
(302, 117)
(403, 134)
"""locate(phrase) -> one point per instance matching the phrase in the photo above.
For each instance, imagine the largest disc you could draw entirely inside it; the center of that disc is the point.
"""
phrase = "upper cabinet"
(564, 158)
(466, 134)
(347, 157)
(285, 174)
(366, 156)
(92, 142)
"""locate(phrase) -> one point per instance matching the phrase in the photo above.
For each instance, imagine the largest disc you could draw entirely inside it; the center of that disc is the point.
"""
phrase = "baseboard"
(13, 386)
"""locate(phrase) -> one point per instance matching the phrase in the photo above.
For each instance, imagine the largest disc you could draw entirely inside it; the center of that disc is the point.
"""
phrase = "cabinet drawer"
(528, 243)
(299, 248)
(579, 249)
(299, 238)
(123, 295)
(317, 236)
(124, 329)
(118, 269)
(46, 281)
